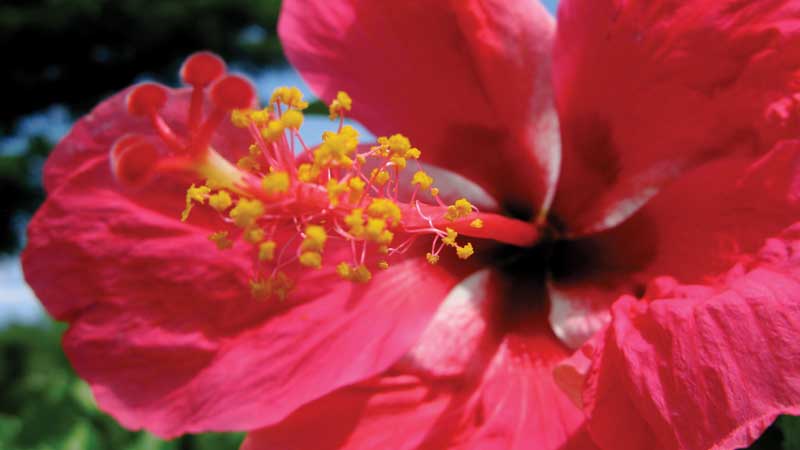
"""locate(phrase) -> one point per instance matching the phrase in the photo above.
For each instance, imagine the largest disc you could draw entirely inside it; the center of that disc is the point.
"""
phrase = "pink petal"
(702, 372)
(163, 325)
(467, 81)
(649, 90)
(697, 227)
(466, 385)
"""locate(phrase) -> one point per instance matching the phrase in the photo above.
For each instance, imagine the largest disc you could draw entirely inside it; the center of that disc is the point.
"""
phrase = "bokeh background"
(61, 57)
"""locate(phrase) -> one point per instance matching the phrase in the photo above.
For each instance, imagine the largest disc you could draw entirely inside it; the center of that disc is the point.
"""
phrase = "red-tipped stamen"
(233, 92)
(147, 100)
(133, 160)
(229, 93)
(166, 134)
(200, 70)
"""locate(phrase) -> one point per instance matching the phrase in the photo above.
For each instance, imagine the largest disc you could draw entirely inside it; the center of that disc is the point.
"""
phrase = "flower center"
(287, 201)
(561, 261)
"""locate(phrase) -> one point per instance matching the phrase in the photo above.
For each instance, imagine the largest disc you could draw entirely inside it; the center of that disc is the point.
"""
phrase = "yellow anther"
(477, 223)
(361, 274)
(212, 183)
(335, 189)
(450, 239)
(340, 104)
(249, 164)
(465, 251)
(278, 94)
(383, 265)
(289, 96)
(355, 220)
(350, 133)
(358, 274)
(382, 149)
(315, 239)
(273, 130)
(374, 229)
(240, 118)
(399, 145)
(431, 258)
(356, 186)
(464, 206)
(253, 235)
(266, 251)
(194, 194)
(413, 153)
(434, 191)
(337, 148)
(260, 116)
(279, 286)
(308, 173)
(246, 212)
(385, 238)
(399, 162)
(461, 208)
(254, 150)
(197, 193)
(385, 209)
(276, 182)
(282, 285)
(296, 99)
(292, 119)
(344, 270)
(260, 289)
(383, 249)
(422, 179)
(220, 201)
(311, 259)
(379, 177)
(221, 239)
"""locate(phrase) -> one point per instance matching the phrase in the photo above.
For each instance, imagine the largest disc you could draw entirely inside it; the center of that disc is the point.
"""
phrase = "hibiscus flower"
(638, 194)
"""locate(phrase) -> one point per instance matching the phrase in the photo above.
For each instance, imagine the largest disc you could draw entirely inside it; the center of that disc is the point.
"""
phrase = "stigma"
(286, 202)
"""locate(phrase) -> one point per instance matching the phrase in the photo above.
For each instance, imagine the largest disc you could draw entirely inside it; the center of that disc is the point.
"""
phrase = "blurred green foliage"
(21, 188)
(791, 432)
(44, 406)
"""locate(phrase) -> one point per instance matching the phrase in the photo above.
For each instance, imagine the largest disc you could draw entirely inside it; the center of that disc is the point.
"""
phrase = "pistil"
(287, 201)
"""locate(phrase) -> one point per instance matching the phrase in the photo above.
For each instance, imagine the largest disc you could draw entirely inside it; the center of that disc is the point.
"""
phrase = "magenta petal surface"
(465, 385)
(162, 323)
(648, 90)
(706, 369)
(467, 81)
(697, 227)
